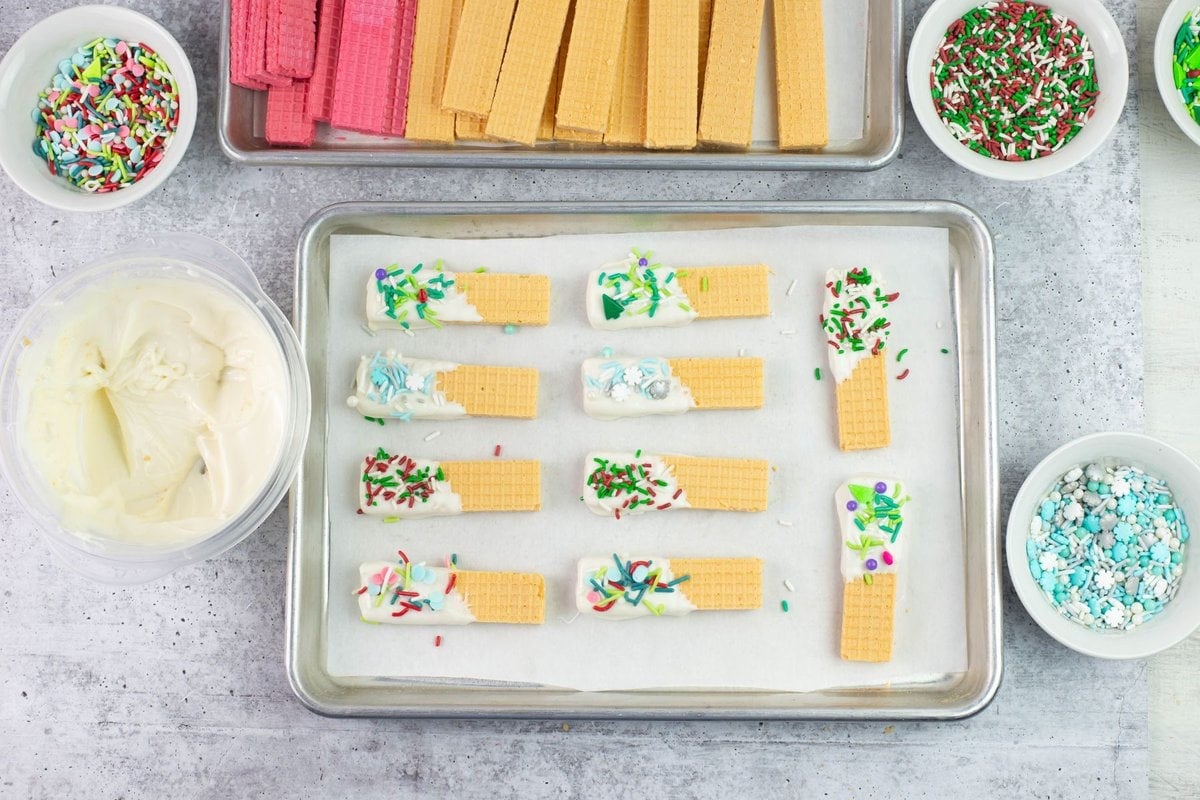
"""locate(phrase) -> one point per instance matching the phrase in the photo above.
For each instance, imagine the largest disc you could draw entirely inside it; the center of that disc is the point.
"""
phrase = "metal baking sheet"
(240, 129)
(950, 697)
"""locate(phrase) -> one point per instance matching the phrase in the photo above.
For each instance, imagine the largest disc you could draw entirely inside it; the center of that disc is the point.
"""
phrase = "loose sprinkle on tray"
(106, 118)
(1106, 546)
(1014, 81)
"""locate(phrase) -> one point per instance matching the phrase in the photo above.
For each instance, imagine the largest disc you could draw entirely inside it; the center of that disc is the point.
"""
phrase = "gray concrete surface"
(177, 688)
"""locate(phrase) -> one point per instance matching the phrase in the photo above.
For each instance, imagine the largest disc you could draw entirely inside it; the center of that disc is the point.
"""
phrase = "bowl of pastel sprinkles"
(1177, 64)
(1098, 545)
(99, 104)
(1018, 90)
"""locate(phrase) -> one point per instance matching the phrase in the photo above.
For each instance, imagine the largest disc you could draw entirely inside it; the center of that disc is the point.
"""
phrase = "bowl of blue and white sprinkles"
(1098, 545)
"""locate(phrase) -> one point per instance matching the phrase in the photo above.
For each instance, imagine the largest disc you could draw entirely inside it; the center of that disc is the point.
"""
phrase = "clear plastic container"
(195, 258)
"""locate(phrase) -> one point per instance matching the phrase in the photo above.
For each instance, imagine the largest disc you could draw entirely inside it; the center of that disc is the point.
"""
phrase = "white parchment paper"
(765, 649)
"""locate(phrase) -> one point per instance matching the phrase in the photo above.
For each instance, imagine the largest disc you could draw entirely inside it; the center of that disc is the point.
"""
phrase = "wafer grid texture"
(721, 382)
(727, 108)
(256, 46)
(521, 90)
(800, 74)
(361, 87)
(491, 391)
(288, 122)
(561, 134)
(585, 98)
(672, 74)
(238, 31)
(735, 291)
(470, 129)
(720, 584)
(505, 299)
(508, 485)
(721, 484)
(706, 10)
(432, 42)
(504, 597)
(868, 619)
(627, 112)
(476, 56)
(402, 71)
(320, 85)
(546, 126)
(291, 37)
(862, 406)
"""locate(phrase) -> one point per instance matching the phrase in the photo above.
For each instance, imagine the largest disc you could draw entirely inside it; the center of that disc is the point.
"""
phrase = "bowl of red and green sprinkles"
(98, 105)
(1098, 545)
(1177, 64)
(1018, 90)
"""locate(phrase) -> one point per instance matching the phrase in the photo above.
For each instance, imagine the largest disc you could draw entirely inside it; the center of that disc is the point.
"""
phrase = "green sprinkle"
(510, 329)
(900, 355)
(784, 605)
(944, 350)
(375, 420)
(704, 283)
(817, 373)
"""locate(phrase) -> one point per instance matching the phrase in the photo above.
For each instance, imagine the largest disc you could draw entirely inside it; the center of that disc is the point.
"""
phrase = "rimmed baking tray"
(240, 129)
(950, 697)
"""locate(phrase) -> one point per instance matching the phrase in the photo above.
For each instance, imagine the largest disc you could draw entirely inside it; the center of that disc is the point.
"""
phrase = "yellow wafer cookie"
(868, 619)
(506, 299)
(388, 385)
(533, 45)
(727, 107)
(585, 97)
(862, 406)
(496, 485)
(432, 40)
(478, 52)
(546, 126)
(470, 129)
(627, 114)
(735, 291)
(491, 391)
(721, 382)
(800, 74)
(506, 597)
(400, 486)
(721, 484)
(672, 74)
(720, 584)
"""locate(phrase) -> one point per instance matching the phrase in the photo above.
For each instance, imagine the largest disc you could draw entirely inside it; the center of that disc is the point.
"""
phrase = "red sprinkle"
(450, 583)
(902, 375)
(360, 591)
(437, 641)
(496, 452)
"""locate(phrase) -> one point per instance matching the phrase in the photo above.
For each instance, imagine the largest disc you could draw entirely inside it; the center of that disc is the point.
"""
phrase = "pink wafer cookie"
(255, 56)
(237, 46)
(320, 85)
(361, 86)
(291, 37)
(402, 68)
(288, 121)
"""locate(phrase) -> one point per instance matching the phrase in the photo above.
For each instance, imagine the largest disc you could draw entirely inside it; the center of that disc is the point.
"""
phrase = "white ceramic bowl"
(1164, 56)
(1181, 616)
(29, 67)
(1112, 69)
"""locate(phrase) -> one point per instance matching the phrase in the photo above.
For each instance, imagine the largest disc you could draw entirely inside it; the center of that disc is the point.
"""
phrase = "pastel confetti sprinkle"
(1106, 546)
(108, 115)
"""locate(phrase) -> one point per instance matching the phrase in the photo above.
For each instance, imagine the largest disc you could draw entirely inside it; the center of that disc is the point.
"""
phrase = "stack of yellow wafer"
(660, 74)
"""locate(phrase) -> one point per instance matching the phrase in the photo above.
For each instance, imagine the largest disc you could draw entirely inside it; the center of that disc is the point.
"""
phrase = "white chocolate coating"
(377, 606)
(156, 411)
(454, 307)
(389, 386)
(608, 392)
(674, 308)
(656, 470)
(441, 500)
(602, 569)
(869, 542)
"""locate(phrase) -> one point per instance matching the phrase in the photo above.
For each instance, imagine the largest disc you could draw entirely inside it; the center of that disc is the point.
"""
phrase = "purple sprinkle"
(642, 262)
(851, 505)
(881, 487)
(872, 564)
(380, 273)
